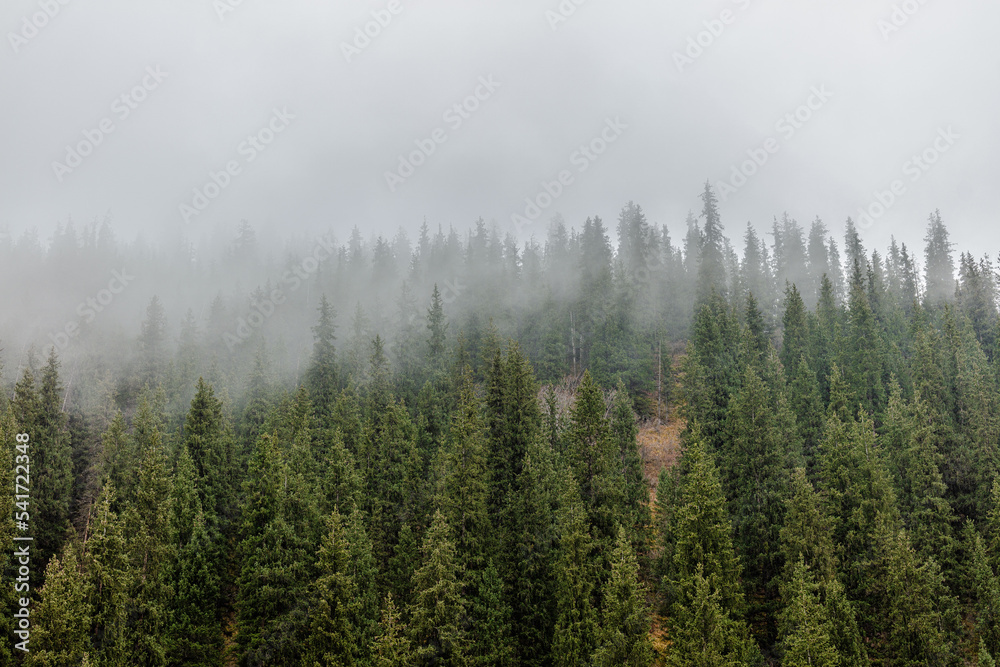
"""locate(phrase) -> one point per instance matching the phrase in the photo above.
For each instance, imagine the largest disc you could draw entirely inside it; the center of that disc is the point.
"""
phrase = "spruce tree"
(593, 455)
(911, 441)
(39, 414)
(908, 600)
(391, 647)
(623, 637)
(754, 470)
(986, 589)
(463, 491)
(438, 607)
(333, 637)
(194, 634)
(321, 377)
(939, 265)
(624, 431)
(147, 523)
(209, 443)
(492, 631)
(436, 325)
(806, 538)
(702, 537)
(795, 339)
(61, 621)
(575, 580)
(804, 625)
(111, 580)
(704, 633)
(711, 268)
(274, 570)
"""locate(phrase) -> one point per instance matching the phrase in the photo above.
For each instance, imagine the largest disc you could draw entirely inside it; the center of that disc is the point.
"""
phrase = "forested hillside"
(428, 453)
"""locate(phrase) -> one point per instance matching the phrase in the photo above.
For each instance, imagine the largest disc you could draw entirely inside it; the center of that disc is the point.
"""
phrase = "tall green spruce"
(575, 582)
(635, 489)
(754, 465)
(811, 573)
(275, 565)
(321, 377)
(194, 634)
(462, 495)
(438, 609)
(594, 455)
(702, 589)
(623, 637)
(38, 411)
(334, 628)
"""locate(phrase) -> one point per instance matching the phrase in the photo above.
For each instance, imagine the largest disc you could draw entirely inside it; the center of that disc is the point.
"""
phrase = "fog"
(894, 80)
(171, 123)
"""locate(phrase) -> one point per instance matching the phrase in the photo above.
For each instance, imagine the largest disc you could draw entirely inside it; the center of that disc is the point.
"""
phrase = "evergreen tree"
(712, 267)
(492, 633)
(805, 628)
(321, 377)
(364, 572)
(623, 638)
(704, 634)
(208, 441)
(61, 621)
(333, 638)
(147, 519)
(702, 537)
(111, 580)
(274, 571)
(463, 490)
(754, 469)
(806, 538)
(152, 342)
(908, 598)
(593, 454)
(39, 413)
(194, 634)
(939, 266)
(795, 340)
(438, 607)
(624, 431)
(392, 647)
(911, 442)
(986, 589)
(576, 619)
(436, 325)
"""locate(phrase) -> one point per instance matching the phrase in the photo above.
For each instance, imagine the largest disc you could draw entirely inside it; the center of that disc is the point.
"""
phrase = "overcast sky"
(886, 81)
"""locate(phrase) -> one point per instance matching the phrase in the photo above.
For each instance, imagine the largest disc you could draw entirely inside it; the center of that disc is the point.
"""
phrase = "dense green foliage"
(469, 490)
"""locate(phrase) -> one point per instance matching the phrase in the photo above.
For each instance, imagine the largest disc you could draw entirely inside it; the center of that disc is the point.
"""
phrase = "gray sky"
(887, 95)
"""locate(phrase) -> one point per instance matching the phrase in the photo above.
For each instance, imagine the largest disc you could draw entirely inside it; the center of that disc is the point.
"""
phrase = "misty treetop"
(428, 453)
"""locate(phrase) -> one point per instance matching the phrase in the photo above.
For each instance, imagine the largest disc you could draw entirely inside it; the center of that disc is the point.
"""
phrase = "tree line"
(469, 489)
